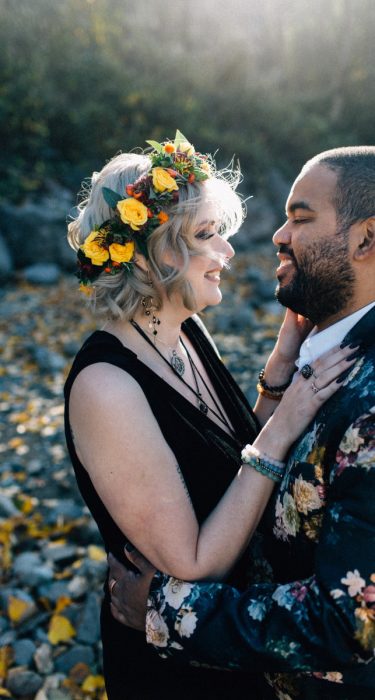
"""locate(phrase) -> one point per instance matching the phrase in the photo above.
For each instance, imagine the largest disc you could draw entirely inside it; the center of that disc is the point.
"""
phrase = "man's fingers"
(116, 569)
(142, 564)
(118, 615)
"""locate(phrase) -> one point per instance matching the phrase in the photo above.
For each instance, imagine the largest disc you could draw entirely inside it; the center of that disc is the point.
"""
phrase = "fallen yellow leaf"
(17, 608)
(6, 657)
(5, 693)
(15, 442)
(96, 553)
(60, 629)
(92, 683)
(62, 602)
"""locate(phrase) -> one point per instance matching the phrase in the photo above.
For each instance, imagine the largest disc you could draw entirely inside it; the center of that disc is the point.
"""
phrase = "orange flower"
(163, 217)
(191, 177)
(169, 148)
(172, 172)
(129, 190)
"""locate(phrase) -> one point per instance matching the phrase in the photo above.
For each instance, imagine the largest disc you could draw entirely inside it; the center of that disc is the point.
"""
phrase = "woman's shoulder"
(101, 355)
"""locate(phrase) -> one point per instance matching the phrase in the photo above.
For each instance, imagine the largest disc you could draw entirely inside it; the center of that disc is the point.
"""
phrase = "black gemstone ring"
(307, 371)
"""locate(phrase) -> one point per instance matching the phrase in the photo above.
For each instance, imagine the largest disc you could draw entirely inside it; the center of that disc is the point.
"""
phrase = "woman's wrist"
(278, 370)
(273, 439)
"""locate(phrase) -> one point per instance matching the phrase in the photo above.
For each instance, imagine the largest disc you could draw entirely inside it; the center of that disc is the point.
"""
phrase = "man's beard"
(323, 280)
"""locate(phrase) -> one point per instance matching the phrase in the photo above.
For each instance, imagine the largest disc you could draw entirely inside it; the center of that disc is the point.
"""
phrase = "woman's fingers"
(333, 357)
(326, 376)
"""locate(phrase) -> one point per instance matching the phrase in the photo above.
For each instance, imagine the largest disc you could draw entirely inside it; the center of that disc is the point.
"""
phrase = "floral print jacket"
(307, 618)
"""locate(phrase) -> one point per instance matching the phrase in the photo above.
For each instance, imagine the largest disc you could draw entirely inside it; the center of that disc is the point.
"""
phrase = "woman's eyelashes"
(205, 235)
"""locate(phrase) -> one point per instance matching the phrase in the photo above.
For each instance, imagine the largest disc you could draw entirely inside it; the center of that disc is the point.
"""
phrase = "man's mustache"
(286, 251)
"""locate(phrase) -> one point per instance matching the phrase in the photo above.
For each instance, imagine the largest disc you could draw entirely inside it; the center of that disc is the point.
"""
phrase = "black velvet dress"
(209, 459)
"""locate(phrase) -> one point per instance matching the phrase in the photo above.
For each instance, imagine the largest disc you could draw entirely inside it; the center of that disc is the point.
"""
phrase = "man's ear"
(365, 247)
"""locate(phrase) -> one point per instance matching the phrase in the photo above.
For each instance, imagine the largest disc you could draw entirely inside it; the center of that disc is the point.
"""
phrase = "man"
(308, 620)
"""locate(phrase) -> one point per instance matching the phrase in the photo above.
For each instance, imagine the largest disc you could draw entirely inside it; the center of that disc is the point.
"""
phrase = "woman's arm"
(135, 472)
(281, 363)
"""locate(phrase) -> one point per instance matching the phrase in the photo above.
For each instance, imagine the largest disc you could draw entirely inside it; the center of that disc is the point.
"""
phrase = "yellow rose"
(121, 253)
(132, 212)
(186, 147)
(93, 250)
(162, 180)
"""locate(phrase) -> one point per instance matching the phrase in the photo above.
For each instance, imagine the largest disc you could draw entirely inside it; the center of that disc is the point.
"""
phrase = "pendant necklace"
(202, 405)
(174, 359)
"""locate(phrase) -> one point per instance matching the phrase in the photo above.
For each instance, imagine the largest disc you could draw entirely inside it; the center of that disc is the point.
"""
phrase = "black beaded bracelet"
(275, 390)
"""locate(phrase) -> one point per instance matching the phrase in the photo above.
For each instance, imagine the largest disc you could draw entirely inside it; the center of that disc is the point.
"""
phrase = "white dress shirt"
(316, 344)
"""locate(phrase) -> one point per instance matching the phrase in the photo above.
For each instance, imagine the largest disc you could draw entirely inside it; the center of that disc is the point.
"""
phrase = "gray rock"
(48, 360)
(68, 509)
(88, 629)
(36, 230)
(54, 590)
(9, 637)
(7, 507)
(4, 625)
(24, 650)
(62, 554)
(78, 587)
(6, 262)
(30, 570)
(43, 659)
(77, 654)
(20, 682)
(42, 273)
(59, 694)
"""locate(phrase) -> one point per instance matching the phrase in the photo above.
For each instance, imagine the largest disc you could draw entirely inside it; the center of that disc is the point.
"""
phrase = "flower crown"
(111, 246)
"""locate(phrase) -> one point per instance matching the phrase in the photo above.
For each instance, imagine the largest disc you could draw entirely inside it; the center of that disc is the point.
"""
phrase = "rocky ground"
(51, 557)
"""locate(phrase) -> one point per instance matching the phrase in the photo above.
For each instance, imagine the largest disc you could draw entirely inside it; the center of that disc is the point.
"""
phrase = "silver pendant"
(177, 363)
(203, 407)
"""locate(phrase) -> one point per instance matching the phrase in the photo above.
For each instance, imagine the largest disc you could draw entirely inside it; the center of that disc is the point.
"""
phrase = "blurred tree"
(272, 82)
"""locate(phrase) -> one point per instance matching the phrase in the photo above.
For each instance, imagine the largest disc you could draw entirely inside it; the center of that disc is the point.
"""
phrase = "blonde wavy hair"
(120, 295)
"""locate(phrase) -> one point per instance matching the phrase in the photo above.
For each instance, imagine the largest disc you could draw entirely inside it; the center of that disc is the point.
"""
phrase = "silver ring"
(314, 388)
(111, 585)
(307, 371)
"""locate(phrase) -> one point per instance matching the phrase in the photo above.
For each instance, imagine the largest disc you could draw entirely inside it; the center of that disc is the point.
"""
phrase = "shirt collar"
(318, 343)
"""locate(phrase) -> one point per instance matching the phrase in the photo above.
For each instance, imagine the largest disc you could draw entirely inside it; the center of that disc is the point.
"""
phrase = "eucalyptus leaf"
(179, 138)
(156, 146)
(111, 197)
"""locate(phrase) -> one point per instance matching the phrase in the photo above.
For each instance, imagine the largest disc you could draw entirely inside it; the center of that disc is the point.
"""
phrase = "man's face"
(315, 276)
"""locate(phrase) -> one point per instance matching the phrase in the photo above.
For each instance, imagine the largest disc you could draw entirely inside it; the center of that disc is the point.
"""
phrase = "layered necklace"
(177, 364)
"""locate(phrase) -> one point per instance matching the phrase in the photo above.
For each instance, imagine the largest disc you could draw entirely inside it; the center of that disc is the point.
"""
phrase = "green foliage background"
(272, 81)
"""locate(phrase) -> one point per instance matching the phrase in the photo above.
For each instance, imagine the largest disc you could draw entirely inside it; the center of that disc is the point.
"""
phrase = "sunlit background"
(271, 81)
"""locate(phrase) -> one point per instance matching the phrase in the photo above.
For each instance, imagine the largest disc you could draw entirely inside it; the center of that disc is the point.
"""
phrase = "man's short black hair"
(355, 190)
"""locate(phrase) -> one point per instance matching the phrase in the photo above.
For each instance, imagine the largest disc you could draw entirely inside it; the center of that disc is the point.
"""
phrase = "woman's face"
(205, 268)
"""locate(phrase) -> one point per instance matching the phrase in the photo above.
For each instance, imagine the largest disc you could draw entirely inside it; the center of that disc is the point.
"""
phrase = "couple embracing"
(249, 533)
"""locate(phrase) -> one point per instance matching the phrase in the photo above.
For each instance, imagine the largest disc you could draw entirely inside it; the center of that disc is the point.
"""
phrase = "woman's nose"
(227, 249)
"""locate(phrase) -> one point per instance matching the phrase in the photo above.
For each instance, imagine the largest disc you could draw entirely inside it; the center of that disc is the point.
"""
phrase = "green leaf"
(156, 146)
(141, 245)
(179, 138)
(111, 197)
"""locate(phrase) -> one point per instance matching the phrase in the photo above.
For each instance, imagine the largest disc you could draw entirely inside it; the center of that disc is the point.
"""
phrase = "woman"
(158, 423)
